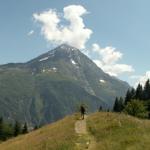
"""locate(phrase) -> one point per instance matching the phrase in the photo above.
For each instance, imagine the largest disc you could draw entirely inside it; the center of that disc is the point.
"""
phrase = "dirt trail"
(85, 140)
(80, 127)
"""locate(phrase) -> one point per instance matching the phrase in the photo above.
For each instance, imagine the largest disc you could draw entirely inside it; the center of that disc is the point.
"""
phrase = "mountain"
(122, 131)
(53, 85)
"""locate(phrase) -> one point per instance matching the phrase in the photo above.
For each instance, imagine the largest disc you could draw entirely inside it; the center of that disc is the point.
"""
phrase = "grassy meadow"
(109, 131)
(119, 132)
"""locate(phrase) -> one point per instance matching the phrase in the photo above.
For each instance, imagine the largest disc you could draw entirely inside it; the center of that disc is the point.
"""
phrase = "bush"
(136, 108)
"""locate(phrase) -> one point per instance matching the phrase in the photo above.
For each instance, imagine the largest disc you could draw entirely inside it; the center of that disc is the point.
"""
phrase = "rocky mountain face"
(53, 85)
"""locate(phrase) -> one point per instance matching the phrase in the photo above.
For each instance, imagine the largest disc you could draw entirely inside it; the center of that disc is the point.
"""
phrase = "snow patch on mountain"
(43, 59)
(73, 62)
(102, 81)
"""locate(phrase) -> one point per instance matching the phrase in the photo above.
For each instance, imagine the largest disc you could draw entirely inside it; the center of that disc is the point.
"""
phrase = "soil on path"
(85, 140)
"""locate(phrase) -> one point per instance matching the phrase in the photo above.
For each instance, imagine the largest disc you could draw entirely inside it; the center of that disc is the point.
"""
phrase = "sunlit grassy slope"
(57, 136)
(109, 131)
(119, 132)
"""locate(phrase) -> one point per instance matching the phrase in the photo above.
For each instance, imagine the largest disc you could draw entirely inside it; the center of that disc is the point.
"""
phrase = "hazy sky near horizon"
(116, 34)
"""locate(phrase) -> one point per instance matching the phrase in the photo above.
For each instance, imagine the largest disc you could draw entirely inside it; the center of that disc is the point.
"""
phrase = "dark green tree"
(6, 130)
(1, 128)
(25, 128)
(100, 108)
(139, 92)
(132, 93)
(121, 104)
(146, 92)
(17, 128)
(128, 97)
(116, 105)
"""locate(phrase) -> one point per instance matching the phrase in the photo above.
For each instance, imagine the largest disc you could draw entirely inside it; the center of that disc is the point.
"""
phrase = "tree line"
(8, 130)
(136, 101)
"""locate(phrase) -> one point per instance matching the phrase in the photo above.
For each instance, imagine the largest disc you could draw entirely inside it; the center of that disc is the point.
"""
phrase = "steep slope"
(41, 98)
(110, 131)
(52, 85)
(71, 63)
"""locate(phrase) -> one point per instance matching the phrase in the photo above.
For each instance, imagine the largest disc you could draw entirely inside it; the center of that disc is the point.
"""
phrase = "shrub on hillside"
(136, 108)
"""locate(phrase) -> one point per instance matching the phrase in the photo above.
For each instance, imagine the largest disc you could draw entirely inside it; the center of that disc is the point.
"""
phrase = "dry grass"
(57, 136)
(119, 132)
(110, 131)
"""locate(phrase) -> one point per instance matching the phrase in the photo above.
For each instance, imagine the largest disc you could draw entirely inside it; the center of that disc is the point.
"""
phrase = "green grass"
(109, 131)
(119, 132)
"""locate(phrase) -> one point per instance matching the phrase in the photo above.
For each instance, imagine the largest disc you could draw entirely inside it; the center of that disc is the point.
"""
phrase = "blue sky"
(123, 25)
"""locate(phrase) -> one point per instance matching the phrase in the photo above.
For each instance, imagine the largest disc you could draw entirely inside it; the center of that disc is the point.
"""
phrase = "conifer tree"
(121, 104)
(132, 93)
(139, 92)
(146, 92)
(1, 128)
(116, 105)
(17, 128)
(25, 128)
(100, 108)
(128, 97)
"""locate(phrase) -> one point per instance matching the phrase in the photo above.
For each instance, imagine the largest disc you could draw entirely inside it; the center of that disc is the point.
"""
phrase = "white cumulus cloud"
(107, 59)
(69, 27)
(143, 79)
(56, 29)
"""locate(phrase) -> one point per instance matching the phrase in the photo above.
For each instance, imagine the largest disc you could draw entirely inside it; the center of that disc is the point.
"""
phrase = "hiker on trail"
(82, 110)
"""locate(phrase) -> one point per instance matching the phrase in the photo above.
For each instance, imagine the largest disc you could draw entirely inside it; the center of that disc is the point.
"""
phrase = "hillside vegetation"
(57, 136)
(110, 131)
(119, 132)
